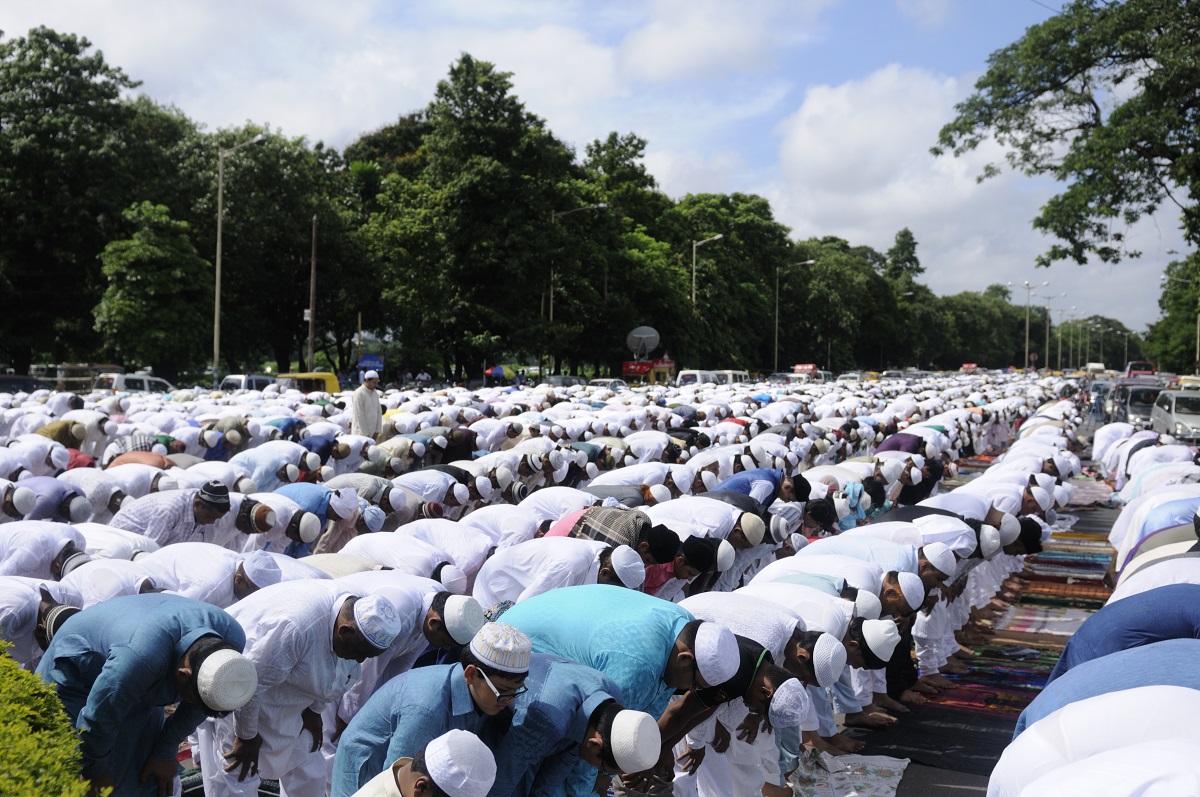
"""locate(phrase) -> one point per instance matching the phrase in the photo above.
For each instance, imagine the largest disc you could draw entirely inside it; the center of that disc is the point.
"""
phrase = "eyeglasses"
(499, 697)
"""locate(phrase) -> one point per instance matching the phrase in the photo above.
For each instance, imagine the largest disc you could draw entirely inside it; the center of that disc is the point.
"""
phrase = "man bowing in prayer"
(115, 667)
(307, 639)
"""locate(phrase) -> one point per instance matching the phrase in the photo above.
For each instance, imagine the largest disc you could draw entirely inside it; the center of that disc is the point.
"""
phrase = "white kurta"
(535, 567)
(201, 571)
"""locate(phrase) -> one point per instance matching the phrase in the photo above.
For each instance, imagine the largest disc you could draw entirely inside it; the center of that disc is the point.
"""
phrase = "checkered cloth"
(615, 525)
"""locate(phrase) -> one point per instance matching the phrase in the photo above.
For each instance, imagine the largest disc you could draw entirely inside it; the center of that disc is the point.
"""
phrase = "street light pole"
(1028, 286)
(260, 138)
(695, 245)
(312, 299)
(802, 263)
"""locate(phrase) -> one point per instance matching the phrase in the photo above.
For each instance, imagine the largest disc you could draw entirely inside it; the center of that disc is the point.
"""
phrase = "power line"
(1048, 8)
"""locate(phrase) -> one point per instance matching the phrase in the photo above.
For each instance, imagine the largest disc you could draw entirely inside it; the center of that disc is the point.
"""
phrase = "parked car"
(615, 385)
(1133, 400)
(234, 382)
(558, 380)
(692, 376)
(131, 383)
(1178, 414)
(1140, 368)
(14, 383)
(310, 382)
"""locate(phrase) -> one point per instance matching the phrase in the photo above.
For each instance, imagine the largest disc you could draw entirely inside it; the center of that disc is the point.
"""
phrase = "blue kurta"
(548, 725)
(1170, 612)
(624, 634)
(113, 666)
(743, 483)
(404, 715)
(1168, 663)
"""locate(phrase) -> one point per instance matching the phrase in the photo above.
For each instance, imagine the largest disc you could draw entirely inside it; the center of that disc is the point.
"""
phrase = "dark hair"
(848, 592)
(688, 635)
(877, 490)
(420, 767)
(870, 660)
(603, 718)
(823, 511)
(1031, 535)
(808, 640)
(606, 556)
(197, 654)
(436, 575)
(438, 606)
(664, 543)
(468, 659)
(777, 676)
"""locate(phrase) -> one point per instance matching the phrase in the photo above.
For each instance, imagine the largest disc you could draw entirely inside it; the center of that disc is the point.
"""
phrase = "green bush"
(39, 754)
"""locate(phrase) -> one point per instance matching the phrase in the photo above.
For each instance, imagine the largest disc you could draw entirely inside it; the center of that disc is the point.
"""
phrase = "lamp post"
(1071, 339)
(260, 138)
(1028, 286)
(802, 263)
(696, 245)
(1048, 300)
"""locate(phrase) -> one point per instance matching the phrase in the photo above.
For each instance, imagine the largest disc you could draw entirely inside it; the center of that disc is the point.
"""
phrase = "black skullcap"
(664, 543)
(700, 553)
(215, 494)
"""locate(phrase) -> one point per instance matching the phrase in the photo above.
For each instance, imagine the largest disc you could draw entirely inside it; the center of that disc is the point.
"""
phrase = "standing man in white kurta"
(367, 415)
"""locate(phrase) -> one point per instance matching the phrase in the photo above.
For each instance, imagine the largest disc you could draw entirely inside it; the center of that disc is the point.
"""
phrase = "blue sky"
(826, 107)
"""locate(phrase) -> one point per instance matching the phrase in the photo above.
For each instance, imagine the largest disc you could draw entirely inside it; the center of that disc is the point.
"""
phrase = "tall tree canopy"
(1104, 97)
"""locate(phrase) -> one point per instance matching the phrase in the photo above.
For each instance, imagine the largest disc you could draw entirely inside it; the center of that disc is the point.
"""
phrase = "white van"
(695, 377)
(732, 377)
(131, 383)
(234, 382)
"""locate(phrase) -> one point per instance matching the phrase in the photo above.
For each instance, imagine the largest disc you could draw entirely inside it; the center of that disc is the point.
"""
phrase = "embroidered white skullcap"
(789, 704)
(262, 569)
(460, 764)
(377, 620)
(881, 637)
(484, 487)
(725, 556)
(454, 579)
(24, 500)
(635, 740)
(226, 680)
(753, 527)
(309, 527)
(463, 617)
(912, 588)
(829, 659)
(941, 557)
(989, 540)
(73, 561)
(629, 567)
(798, 541)
(79, 510)
(717, 655)
(867, 605)
(502, 647)
(660, 493)
(1043, 498)
(1010, 529)
(780, 528)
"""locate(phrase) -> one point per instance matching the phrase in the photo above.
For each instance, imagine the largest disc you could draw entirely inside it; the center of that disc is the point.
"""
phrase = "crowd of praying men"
(510, 591)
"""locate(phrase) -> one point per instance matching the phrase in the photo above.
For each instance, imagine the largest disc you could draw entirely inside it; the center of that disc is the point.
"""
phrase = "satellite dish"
(642, 341)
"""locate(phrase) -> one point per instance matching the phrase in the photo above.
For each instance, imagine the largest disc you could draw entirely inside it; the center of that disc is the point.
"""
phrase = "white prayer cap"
(377, 620)
(629, 567)
(881, 637)
(463, 617)
(233, 437)
(829, 659)
(591, 470)
(866, 605)
(24, 500)
(660, 493)
(226, 680)
(748, 462)
(504, 477)
(753, 527)
(1042, 497)
(460, 492)
(166, 483)
(912, 588)
(78, 431)
(941, 557)
(891, 470)
(709, 478)
(71, 562)
(454, 579)
(440, 441)
(309, 527)
(798, 541)
(210, 437)
(370, 375)
(841, 504)
(716, 651)
(1010, 529)
(725, 556)
(327, 472)
(60, 457)
(1062, 494)
(989, 540)
(780, 528)
(789, 704)
(262, 569)
(460, 764)
(344, 502)
(1063, 465)
(79, 510)
(291, 473)
(915, 475)
(635, 741)
(483, 485)
(417, 449)
(312, 461)
(502, 647)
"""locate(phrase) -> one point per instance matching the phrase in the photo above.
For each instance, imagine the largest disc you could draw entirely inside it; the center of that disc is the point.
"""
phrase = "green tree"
(158, 289)
(902, 262)
(999, 291)
(1102, 97)
(62, 134)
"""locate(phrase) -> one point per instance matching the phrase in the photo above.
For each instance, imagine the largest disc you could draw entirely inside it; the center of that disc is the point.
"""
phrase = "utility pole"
(312, 299)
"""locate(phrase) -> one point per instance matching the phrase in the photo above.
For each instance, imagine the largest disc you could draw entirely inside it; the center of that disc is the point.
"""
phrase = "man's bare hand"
(162, 771)
(312, 724)
(721, 738)
(691, 759)
(243, 756)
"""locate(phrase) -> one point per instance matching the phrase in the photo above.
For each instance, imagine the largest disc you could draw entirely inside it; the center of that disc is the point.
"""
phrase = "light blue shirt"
(404, 715)
(624, 634)
(113, 667)
(882, 553)
(548, 725)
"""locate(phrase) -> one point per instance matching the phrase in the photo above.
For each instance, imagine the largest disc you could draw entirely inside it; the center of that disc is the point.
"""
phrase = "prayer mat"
(1089, 492)
(848, 776)
(985, 700)
(943, 736)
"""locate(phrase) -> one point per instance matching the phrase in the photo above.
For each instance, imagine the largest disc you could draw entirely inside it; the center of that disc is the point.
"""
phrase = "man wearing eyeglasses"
(412, 709)
(116, 666)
